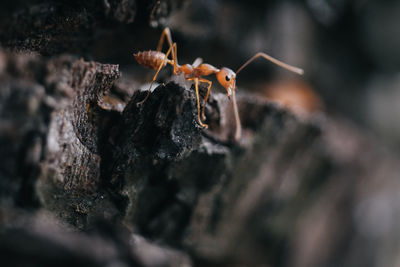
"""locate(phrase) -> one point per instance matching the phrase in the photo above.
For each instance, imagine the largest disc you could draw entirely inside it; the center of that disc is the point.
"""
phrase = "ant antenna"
(273, 60)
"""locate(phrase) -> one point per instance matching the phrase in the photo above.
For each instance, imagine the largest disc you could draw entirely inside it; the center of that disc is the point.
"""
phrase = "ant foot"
(202, 124)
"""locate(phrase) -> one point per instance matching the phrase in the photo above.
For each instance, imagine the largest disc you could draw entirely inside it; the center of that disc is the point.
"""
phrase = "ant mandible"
(225, 76)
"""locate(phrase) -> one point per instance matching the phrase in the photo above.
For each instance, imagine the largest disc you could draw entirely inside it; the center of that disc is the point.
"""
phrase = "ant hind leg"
(166, 33)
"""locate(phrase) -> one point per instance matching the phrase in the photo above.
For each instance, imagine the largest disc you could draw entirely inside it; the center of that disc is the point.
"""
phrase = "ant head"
(227, 78)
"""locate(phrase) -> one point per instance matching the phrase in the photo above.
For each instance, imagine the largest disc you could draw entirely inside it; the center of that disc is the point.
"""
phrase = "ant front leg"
(206, 97)
(196, 85)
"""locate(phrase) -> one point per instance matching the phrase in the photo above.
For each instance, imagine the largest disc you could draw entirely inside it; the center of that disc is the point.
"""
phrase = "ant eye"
(227, 78)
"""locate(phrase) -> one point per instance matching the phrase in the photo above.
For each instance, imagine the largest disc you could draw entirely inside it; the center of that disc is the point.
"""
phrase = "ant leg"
(174, 61)
(155, 76)
(166, 33)
(196, 85)
(174, 58)
(206, 97)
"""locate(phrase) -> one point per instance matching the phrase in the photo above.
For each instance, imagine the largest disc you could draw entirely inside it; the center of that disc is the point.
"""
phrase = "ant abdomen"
(150, 59)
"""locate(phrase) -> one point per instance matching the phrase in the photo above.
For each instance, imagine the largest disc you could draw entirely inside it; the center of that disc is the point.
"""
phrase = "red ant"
(226, 77)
